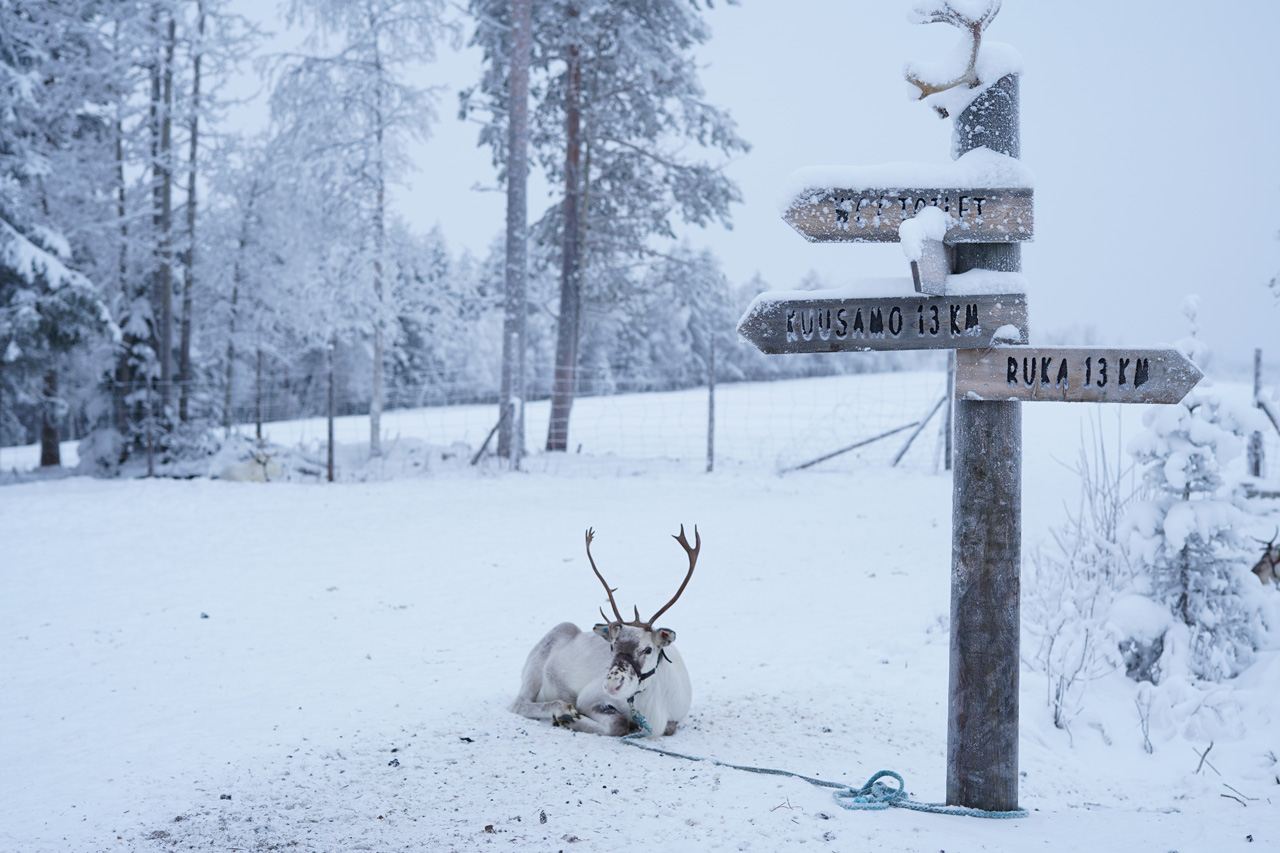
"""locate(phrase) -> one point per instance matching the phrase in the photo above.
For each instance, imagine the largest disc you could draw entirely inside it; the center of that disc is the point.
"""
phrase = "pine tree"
(616, 102)
(51, 132)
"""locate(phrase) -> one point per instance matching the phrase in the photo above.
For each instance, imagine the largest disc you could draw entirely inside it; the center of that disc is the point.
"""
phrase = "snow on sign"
(836, 215)
(1076, 375)
(987, 195)
(779, 322)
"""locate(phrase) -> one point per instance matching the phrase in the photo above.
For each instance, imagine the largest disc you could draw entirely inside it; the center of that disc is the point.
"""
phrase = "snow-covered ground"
(215, 665)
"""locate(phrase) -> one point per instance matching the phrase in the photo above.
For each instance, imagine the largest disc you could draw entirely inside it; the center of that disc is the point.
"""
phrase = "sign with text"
(833, 215)
(1076, 375)
(790, 322)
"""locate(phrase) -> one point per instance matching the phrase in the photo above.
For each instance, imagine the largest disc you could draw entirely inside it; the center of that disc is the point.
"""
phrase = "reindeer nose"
(617, 679)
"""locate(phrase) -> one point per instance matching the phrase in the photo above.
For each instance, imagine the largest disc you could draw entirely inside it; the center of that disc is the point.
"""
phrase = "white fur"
(570, 678)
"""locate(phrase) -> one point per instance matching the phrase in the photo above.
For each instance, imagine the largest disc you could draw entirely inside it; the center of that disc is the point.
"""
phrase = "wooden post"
(1255, 458)
(986, 543)
(151, 450)
(711, 402)
(329, 407)
(257, 401)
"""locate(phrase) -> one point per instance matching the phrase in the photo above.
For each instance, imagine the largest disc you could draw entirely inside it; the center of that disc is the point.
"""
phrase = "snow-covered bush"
(1186, 536)
(1074, 579)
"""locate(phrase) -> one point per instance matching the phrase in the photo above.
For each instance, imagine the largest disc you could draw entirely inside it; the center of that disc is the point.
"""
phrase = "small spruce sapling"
(1185, 537)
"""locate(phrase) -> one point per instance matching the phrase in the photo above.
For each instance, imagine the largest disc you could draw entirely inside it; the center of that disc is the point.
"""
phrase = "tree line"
(156, 264)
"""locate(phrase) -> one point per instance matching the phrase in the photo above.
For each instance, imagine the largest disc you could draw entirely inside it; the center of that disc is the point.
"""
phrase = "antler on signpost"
(945, 13)
(612, 603)
(693, 561)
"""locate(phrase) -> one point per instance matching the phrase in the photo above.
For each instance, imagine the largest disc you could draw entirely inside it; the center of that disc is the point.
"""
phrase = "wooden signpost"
(1076, 375)
(873, 215)
(991, 380)
(812, 322)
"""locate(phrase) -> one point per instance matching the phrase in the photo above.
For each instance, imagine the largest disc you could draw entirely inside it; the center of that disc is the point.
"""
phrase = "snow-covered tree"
(357, 108)
(51, 132)
(616, 103)
(1187, 536)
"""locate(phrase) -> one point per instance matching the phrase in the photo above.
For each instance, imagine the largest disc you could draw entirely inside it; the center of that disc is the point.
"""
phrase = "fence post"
(151, 469)
(711, 402)
(333, 345)
(1256, 460)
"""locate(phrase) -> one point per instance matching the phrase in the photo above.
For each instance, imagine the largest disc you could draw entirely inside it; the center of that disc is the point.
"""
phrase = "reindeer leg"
(531, 678)
(598, 714)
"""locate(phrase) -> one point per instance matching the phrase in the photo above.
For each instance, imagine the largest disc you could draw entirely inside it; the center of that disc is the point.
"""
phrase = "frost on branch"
(950, 85)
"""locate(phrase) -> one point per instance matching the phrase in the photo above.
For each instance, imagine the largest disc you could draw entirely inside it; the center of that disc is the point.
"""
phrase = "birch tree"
(357, 107)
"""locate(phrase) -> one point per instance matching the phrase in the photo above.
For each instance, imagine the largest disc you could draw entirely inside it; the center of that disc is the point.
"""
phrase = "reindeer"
(1268, 568)
(621, 677)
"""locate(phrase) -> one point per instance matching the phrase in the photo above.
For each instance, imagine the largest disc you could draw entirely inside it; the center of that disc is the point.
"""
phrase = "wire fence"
(837, 422)
(778, 424)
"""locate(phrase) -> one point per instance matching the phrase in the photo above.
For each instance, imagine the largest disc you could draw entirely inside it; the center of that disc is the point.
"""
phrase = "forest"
(165, 276)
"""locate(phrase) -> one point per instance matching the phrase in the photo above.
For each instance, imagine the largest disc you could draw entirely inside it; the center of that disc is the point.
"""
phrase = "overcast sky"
(1153, 130)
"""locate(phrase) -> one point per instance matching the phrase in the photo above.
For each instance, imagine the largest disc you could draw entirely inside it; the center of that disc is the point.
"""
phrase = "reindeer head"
(637, 646)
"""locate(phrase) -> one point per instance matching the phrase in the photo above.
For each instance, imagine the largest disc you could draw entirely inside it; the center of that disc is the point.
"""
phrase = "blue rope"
(874, 795)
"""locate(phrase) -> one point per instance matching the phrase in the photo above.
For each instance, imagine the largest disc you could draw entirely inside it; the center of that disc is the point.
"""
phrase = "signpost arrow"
(1076, 374)
(829, 321)
(850, 215)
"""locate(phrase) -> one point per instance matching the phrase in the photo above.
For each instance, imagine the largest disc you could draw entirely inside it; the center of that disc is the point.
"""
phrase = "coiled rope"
(875, 794)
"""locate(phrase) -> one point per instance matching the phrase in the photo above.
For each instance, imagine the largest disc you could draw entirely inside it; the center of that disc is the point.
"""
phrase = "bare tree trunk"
(162, 176)
(565, 380)
(50, 451)
(511, 435)
(237, 279)
(123, 375)
(228, 404)
(189, 262)
(380, 239)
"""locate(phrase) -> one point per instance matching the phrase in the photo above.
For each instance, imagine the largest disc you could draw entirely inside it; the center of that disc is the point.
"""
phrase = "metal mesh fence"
(777, 424)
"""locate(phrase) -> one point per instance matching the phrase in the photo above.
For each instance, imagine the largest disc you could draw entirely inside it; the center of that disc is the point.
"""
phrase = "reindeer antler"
(1270, 544)
(693, 561)
(637, 622)
(590, 535)
(945, 13)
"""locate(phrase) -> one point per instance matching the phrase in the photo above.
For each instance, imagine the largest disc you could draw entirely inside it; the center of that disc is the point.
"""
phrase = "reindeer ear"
(602, 629)
(664, 637)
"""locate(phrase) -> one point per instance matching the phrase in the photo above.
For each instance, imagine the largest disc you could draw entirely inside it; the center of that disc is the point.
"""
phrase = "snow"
(1007, 333)
(931, 223)
(32, 263)
(973, 283)
(240, 666)
(979, 282)
(980, 168)
(858, 288)
(995, 61)
(1139, 617)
